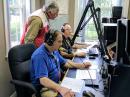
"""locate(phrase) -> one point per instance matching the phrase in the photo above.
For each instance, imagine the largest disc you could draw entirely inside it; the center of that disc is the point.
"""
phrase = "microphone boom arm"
(96, 20)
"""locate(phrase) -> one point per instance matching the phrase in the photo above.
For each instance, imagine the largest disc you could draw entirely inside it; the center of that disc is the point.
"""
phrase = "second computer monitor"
(123, 48)
(128, 37)
(109, 32)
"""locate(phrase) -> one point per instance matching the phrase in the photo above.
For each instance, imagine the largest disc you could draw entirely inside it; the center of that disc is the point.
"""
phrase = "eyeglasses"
(54, 14)
(68, 30)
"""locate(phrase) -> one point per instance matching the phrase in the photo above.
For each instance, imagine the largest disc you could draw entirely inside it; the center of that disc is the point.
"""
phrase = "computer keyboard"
(93, 52)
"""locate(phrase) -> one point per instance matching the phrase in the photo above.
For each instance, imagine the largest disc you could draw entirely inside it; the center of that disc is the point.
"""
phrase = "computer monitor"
(109, 32)
(116, 12)
(122, 41)
(128, 38)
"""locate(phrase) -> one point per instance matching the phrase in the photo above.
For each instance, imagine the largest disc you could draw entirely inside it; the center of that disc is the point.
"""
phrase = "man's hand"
(80, 54)
(85, 65)
(65, 92)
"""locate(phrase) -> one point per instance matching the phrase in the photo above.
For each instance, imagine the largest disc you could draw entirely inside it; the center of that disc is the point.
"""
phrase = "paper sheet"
(76, 85)
(94, 64)
(86, 74)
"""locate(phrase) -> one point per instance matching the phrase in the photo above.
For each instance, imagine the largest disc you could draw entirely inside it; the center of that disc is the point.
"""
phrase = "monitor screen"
(128, 38)
(122, 33)
(109, 32)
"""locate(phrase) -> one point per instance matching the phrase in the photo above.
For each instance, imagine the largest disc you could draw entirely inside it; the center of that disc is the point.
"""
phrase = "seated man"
(66, 49)
(46, 63)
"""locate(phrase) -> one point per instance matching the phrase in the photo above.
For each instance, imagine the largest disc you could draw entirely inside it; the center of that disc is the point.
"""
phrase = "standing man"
(37, 24)
(46, 63)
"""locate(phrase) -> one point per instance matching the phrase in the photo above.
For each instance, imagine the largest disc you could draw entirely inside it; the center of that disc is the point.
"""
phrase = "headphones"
(50, 37)
(62, 28)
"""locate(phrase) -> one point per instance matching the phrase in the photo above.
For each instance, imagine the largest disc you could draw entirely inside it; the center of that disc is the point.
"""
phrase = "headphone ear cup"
(50, 37)
(50, 40)
(62, 29)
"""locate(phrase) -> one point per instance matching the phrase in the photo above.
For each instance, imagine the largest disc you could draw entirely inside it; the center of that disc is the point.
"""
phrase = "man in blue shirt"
(46, 63)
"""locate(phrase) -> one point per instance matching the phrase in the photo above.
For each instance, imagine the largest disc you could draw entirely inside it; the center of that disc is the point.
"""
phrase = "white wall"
(129, 10)
(5, 87)
(125, 8)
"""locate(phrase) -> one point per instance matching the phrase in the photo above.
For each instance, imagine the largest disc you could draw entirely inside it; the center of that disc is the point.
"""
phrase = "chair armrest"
(119, 65)
(124, 65)
(24, 84)
(121, 68)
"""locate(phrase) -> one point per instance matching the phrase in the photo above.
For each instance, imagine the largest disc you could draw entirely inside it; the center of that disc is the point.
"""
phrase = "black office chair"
(120, 81)
(19, 60)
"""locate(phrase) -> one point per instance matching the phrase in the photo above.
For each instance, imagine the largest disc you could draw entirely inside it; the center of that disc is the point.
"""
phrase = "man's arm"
(79, 46)
(66, 55)
(34, 26)
(71, 64)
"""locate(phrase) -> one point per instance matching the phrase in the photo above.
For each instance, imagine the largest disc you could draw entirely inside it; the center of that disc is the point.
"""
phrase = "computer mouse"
(88, 94)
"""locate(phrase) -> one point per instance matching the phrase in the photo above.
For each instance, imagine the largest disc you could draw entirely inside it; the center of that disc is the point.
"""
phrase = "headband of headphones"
(63, 27)
(50, 37)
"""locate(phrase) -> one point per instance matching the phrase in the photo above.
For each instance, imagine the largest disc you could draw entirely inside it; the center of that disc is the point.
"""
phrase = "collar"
(44, 12)
(47, 51)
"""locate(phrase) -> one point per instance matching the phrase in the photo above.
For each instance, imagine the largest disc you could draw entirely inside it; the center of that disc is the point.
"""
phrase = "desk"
(98, 91)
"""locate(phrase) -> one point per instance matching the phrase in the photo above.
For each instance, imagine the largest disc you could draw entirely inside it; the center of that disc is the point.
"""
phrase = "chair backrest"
(120, 86)
(19, 60)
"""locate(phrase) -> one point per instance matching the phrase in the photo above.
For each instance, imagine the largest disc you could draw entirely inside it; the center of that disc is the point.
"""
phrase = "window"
(105, 7)
(89, 32)
(16, 12)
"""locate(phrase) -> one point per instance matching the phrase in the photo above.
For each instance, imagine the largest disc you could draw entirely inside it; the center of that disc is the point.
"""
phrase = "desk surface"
(98, 91)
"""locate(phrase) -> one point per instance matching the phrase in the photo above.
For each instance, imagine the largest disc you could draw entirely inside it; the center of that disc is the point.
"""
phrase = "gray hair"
(52, 5)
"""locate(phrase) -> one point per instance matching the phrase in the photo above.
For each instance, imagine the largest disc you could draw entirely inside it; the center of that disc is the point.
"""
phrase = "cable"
(102, 63)
(109, 76)
(89, 75)
(92, 79)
